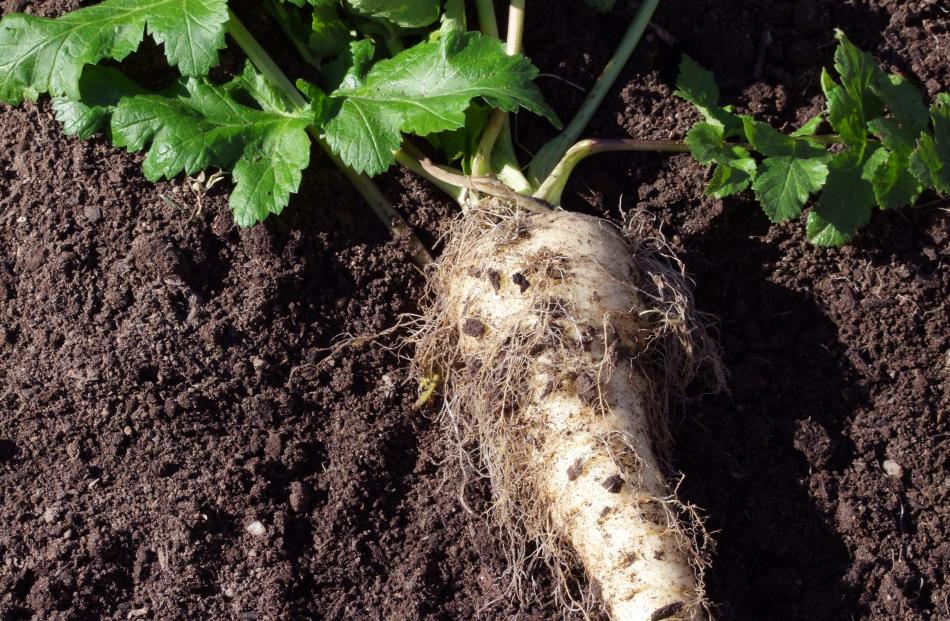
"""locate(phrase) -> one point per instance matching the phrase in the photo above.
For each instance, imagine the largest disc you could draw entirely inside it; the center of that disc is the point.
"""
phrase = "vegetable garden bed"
(175, 445)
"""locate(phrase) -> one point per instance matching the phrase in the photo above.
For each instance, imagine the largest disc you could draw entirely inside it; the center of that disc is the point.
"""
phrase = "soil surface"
(179, 441)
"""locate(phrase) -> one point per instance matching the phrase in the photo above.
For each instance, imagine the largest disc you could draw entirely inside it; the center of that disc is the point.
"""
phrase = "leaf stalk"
(551, 153)
(553, 186)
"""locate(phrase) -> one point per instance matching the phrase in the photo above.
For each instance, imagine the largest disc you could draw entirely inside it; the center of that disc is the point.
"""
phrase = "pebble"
(256, 529)
(892, 468)
(299, 496)
(52, 514)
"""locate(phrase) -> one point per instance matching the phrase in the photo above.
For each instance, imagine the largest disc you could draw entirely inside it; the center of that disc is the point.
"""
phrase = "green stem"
(263, 62)
(498, 125)
(412, 163)
(363, 184)
(551, 153)
(486, 18)
(553, 186)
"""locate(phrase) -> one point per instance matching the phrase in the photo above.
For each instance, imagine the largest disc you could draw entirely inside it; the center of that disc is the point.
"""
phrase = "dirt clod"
(575, 470)
(587, 389)
(613, 483)
(473, 327)
(666, 611)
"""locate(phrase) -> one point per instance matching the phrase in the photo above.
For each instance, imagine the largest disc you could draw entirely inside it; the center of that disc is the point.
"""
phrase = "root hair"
(485, 393)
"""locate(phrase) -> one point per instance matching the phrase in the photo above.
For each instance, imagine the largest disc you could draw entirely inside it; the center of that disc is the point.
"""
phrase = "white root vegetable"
(541, 326)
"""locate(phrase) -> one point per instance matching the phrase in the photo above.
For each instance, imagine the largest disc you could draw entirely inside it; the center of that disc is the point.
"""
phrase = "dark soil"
(166, 384)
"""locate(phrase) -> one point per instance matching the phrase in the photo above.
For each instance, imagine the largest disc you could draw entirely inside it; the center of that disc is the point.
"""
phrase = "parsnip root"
(544, 329)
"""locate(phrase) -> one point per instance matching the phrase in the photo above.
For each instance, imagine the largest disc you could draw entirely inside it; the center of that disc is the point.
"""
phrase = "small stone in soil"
(52, 515)
(256, 529)
(519, 279)
(892, 468)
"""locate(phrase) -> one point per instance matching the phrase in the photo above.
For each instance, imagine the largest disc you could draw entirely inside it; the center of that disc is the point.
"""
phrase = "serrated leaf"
(890, 177)
(204, 126)
(903, 99)
(792, 170)
(426, 89)
(784, 184)
(403, 13)
(734, 168)
(697, 85)
(329, 34)
(930, 162)
(844, 204)
(319, 102)
(889, 168)
(259, 88)
(844, 112)
(857, 71)
(40, 55)
(732, 177)
(705, 142)
(349, 69)
(770, 142)
(810, 127)
(100, 90)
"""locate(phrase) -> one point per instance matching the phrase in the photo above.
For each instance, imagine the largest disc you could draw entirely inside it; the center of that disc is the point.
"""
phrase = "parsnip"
(548, 325)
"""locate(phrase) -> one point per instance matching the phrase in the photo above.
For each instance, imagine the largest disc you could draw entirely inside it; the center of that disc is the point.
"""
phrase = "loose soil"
(167, 380)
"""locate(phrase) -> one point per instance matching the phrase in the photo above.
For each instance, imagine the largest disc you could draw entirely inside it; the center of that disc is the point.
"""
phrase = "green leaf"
(698, 86)
(810, 127)
(204, 126)
(770, 142)
(930, 162)
(453, 16)
(904, 100)
(844, 112)
(844, 204)
(317, 3)
(40, 55)
(349, 69)
(792, 170)
(705, 142)
(732, 177)
(889, 168)
(319, 102)
(261, 90)
(404, 13)
(894, 185)
(734, 169)
(857, 70)
(784, 184)
(329, 34)
(100, 90)
(462, 143)
(426, 89)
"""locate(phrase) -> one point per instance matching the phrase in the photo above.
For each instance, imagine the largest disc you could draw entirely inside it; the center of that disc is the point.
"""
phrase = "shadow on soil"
(746, 454)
